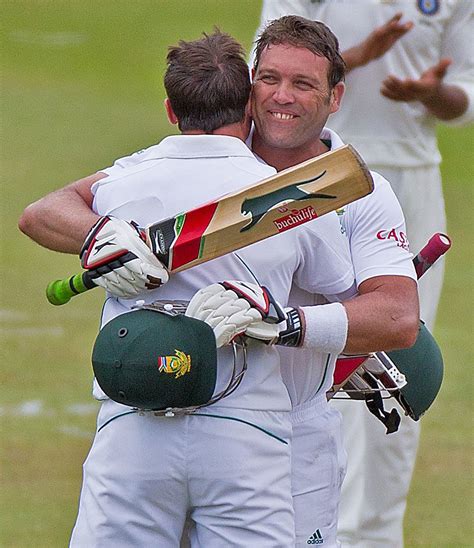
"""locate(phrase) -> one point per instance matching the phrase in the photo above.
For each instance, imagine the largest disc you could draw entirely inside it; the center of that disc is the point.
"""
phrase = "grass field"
(82, 86)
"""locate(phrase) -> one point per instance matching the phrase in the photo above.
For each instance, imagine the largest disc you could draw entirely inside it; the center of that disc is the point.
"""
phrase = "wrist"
(446, 102)
(293, 334)
(326, 328)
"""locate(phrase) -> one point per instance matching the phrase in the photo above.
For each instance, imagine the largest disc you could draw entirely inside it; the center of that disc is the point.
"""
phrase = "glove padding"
(119, 260)
(230, 308)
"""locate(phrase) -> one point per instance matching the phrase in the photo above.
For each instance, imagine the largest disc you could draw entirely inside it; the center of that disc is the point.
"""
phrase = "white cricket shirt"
(375, 228)
(187, 170)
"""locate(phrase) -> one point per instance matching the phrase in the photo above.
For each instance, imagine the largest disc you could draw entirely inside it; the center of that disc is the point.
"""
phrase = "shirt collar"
(333, 137)
(202, 146)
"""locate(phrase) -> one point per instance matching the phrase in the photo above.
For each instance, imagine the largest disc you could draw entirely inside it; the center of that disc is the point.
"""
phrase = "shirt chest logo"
(428, 7)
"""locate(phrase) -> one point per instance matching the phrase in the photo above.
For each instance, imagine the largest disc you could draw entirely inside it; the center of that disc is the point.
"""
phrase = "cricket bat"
(346, 366)
(278, 203)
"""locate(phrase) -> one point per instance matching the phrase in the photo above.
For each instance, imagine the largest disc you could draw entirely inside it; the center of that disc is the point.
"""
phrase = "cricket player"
(298, 82)
(293, 71)
(410, 65)
(228, 468)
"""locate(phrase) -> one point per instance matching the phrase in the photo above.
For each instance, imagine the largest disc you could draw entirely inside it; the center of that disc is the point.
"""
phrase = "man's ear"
(248, 107)
(170, 112)
(337, 93)
(252, 74)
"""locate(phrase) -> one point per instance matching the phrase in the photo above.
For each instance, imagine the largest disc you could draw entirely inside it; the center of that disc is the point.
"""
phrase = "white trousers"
(318, 468)
(380, 466)
(318, 463)
(144, 474)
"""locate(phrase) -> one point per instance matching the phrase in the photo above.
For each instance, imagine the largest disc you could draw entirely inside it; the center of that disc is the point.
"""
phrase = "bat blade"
(281, 202)
(286, 200)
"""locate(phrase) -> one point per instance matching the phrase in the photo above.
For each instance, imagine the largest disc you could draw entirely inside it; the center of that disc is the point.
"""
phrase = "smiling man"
(294, 92)
(298, 82)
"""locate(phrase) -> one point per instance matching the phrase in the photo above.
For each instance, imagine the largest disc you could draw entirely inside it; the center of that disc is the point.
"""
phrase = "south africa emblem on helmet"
(179, 364)
(428, 7)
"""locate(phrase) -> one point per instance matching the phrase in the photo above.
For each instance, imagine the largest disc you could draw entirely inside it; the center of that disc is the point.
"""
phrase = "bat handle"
(437, 246)
(61, 291)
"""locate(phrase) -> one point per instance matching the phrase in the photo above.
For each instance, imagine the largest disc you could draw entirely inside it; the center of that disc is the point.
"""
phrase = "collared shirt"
(375, 228)
(185, 171)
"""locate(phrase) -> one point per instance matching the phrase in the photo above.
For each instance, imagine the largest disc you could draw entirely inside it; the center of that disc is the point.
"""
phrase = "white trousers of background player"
(144, 473)
(380, 467)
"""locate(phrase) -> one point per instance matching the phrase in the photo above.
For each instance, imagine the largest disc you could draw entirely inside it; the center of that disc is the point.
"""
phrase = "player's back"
(179, 173)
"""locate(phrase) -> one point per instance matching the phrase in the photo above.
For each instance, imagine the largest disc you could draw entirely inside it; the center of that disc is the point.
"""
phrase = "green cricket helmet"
(150, 359)
(412, 376)
(422, 365)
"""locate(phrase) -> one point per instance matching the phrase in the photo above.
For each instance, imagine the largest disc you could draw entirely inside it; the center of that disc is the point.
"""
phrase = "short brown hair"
(207, 82)
(304, 33)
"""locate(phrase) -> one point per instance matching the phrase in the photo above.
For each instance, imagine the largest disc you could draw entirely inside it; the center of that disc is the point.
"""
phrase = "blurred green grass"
(81, 87)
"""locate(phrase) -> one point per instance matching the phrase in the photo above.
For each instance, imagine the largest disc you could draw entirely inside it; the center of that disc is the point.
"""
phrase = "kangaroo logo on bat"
(258, 207)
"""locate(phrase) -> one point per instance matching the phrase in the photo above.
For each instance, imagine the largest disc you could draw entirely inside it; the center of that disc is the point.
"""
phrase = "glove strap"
(293, 334)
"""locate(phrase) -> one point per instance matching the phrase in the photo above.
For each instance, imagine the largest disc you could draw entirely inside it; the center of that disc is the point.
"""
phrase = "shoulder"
(122, 165)
(252, 166)
(380, 199)
(133, 159)
(380, 210)
(324, 227)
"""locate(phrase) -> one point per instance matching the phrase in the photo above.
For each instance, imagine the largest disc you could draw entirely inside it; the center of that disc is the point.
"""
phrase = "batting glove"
(115, 253)
(234, 308)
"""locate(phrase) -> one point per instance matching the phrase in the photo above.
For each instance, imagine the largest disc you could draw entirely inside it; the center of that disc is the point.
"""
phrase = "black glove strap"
(293, 334)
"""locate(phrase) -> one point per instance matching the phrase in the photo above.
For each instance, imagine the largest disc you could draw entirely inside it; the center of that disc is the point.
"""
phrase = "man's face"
(291, 100)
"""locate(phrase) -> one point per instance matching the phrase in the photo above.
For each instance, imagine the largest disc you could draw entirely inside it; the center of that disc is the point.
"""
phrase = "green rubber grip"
(61, 291)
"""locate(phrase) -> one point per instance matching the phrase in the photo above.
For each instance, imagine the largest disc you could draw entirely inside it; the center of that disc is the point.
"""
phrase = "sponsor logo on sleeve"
(395, 235)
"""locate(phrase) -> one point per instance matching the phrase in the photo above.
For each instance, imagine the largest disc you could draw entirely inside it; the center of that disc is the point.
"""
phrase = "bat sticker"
(258, 207)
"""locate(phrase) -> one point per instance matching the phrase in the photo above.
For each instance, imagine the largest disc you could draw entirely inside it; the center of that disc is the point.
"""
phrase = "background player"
(394, 99)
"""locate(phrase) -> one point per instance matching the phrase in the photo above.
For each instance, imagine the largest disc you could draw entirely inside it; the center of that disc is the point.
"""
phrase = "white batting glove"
(119, 260)
(229, 308)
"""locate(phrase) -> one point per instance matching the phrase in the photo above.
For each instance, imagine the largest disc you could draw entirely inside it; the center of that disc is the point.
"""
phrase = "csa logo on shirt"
(392, 234)
(340, 213)
(428, 7)
(179, 365)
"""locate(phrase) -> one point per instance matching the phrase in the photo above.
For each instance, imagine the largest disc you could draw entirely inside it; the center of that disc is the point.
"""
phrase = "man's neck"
(240, 130)
(282, 158)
